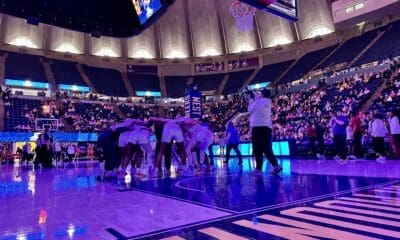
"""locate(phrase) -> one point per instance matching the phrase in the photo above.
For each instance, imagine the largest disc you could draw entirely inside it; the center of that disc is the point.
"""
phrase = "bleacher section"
(208, 82)
(270, 73)
(349, 50)
(106, 81)
(358, 92)
(89, 117)
(390, 97)
(305, 64)
(138, 111)
(24, 67)
(236, 81)
(144, 82)
(387, 45)
(66, 73)
(176, 86)
(21, 113)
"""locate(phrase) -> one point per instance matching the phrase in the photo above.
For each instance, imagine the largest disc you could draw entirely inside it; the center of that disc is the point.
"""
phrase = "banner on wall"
(194, 104)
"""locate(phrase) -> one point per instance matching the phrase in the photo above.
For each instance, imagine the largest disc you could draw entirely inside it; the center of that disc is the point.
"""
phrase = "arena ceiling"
(189, 28)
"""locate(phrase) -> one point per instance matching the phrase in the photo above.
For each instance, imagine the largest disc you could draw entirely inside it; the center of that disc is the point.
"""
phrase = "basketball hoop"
(244, 15)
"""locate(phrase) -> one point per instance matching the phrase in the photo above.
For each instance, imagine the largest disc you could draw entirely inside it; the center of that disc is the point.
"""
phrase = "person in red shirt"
(311, 135)
(355, 124)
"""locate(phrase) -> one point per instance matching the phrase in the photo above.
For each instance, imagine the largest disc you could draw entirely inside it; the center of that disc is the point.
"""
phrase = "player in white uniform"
(123, 142)
(172, 132)
(139, 143)
(200, 138)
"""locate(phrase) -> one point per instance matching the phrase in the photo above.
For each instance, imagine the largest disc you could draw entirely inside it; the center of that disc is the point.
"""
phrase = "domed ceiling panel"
(174, 32)
(236, 41)
(274, 30)
(106, 46)
(313, 14)
(19, 33)
(205, 27)
(64, 40)
(143, 45)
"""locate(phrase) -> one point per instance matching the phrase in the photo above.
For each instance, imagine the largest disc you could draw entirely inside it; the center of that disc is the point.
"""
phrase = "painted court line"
(265, 209)
(172, 197)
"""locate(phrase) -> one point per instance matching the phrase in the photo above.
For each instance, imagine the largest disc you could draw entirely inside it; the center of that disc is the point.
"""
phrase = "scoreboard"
(283, 8)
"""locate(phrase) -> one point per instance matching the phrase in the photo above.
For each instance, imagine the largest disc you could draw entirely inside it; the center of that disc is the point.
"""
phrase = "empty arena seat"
(270, 73)
(106, 81)
(305, 64)
(236, 81)
(144, 82)
(24, 67)
(349, 50)
(387, 45)
(65, 72)
(208, 82)
(176, 86)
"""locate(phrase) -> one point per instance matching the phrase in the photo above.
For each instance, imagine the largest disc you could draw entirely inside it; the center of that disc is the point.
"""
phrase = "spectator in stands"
(232, 136)
(338, 124)
(394, 124)
(378, 133)
(6, 96)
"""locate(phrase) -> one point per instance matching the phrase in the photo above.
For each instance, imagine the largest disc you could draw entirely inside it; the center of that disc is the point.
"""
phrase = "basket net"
(244, 15)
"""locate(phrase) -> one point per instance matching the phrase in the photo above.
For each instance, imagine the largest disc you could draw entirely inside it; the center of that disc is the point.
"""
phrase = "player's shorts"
(123, 139)
(140, 136)
(204, 136)
(171, 132)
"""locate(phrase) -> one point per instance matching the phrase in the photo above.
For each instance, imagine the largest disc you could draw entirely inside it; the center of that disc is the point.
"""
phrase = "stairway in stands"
(2, 112)
(276, 81)
(326, 57)
(128, 85)
(249, 80)
(50, 75)
(116, 109)
(86, 78)
(163, 87)
(2, 70)
(367, 48)
(2, 83)
(67, 126)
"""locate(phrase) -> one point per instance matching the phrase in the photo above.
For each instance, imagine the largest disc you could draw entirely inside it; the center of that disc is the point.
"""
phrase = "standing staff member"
(232, 135)
(395, 131)
(261, 130)
(43, 154)
(338, 124)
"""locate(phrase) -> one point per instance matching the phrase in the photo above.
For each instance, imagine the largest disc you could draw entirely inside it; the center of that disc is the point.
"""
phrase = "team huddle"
(184, 139)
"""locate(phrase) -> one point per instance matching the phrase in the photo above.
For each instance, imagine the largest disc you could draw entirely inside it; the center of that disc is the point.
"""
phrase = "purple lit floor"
(230, 203)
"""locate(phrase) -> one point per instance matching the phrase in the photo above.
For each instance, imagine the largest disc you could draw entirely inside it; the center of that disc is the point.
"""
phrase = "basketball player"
(172, 132)
(200, 138)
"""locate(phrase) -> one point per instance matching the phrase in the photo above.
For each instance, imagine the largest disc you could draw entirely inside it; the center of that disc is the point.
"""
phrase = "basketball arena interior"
(199, 119)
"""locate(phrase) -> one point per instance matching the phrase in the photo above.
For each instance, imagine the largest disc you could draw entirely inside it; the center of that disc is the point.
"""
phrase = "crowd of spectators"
(25, 113)
(217, 114)
(89, 117)
(293, 111)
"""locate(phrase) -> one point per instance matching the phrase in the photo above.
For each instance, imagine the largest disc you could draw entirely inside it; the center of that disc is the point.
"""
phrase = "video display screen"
(145, 9)
(283, 8)
(287, 7)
